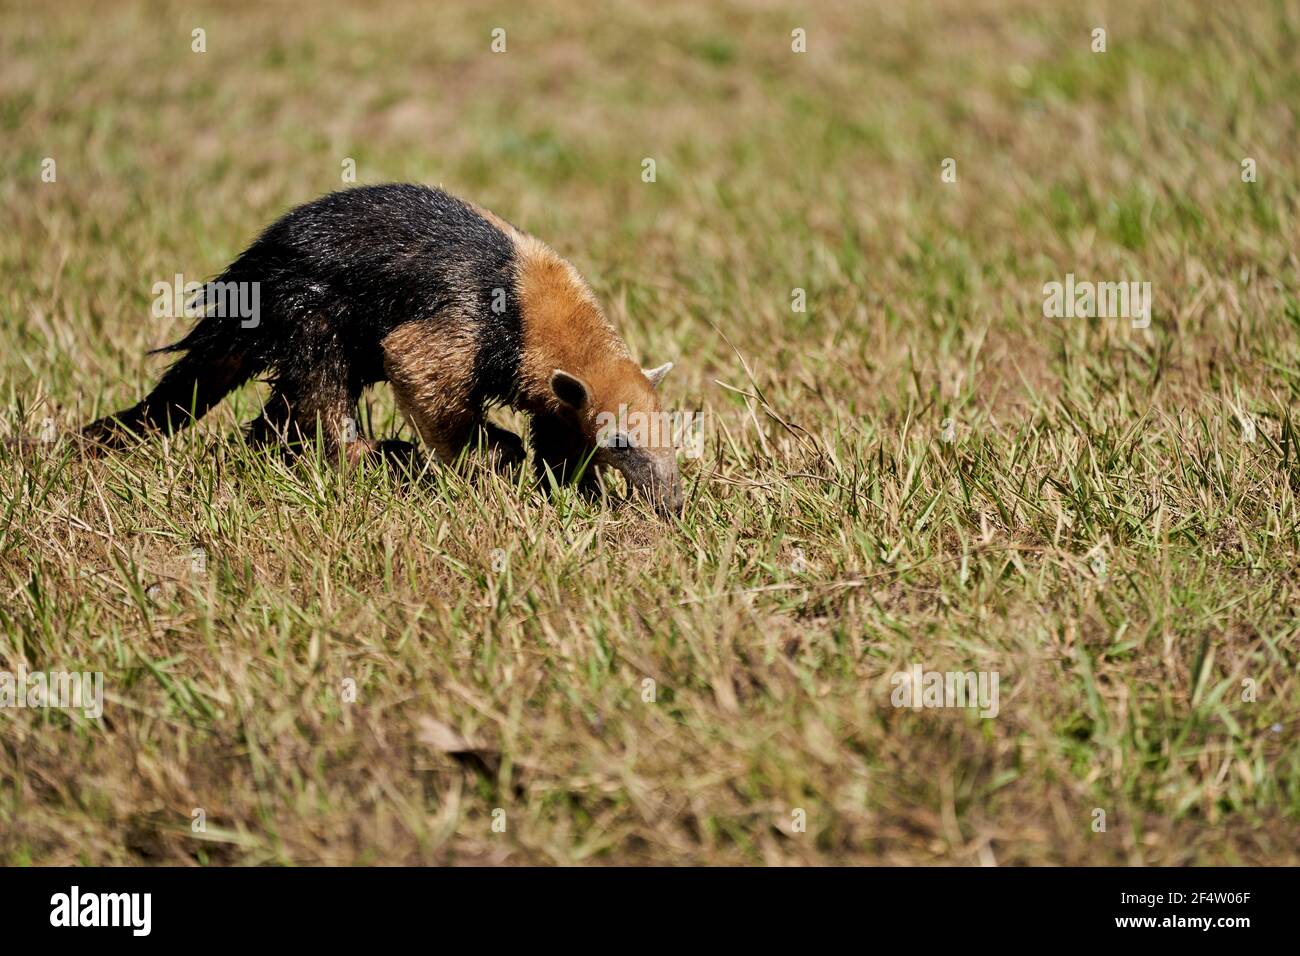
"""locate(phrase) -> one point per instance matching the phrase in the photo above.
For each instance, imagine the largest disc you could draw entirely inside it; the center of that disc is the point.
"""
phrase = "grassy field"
(917, 468)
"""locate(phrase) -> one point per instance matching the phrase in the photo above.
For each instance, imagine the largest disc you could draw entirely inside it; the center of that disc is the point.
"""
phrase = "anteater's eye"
(617, 441)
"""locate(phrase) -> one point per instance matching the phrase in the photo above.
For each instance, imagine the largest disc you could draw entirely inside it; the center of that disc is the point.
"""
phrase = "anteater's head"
(621, 418)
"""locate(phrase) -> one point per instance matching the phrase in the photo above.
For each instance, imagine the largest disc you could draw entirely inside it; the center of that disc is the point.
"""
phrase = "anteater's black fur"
(336, 275)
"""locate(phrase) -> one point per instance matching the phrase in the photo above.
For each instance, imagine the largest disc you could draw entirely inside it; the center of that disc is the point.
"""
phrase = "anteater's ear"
(656, 375)
(569, 389)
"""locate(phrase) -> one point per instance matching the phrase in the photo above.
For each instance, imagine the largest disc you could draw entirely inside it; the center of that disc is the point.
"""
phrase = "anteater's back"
(370, 258)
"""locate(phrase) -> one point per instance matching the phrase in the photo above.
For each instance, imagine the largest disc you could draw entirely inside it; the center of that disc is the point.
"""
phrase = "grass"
(1098, 531)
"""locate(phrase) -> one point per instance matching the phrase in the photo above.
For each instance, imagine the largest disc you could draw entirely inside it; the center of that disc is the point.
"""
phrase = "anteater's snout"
(657, 480)
(665, 491)
(667, 503)
(670, 504)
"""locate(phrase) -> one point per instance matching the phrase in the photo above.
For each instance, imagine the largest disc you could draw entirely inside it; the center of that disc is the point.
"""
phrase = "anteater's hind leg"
(430, 366)
(272, 426)
(285, 424)
(310, 400)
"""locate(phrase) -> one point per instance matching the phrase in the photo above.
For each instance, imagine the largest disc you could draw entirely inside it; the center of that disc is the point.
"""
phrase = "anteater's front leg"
(558, 447)
(504, 444)
(430, 365)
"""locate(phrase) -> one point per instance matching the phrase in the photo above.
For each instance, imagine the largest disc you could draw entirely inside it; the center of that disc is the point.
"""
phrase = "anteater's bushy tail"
(219, 357)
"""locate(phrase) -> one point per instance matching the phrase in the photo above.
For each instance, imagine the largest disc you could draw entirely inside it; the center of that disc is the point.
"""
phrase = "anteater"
(453, 306)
